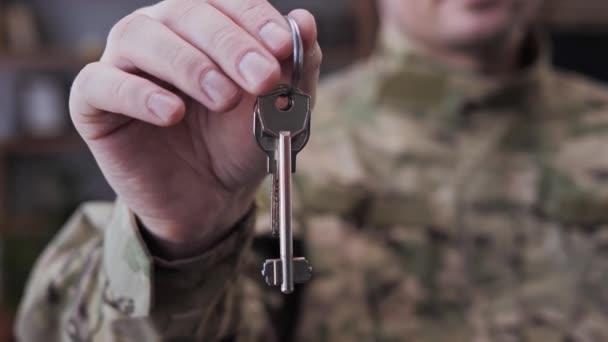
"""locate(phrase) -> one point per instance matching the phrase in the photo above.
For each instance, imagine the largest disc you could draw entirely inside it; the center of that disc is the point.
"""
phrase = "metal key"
(281, 133)
(266, 131)
(284, 271)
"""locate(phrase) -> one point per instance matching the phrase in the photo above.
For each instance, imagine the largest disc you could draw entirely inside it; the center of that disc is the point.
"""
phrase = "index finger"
(260, 19)
(257, 17)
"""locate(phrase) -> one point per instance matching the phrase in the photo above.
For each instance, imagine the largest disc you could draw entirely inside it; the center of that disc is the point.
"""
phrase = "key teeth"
(271, 271)
(303, 270)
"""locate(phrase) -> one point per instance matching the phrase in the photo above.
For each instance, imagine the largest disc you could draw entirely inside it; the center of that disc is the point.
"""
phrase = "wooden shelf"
(30, 145)
(22, 227)
(582, 15)
(43, 60)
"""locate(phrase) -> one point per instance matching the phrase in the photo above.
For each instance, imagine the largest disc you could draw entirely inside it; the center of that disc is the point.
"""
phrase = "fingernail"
(162, 105)
(255, 68)
(275, 36)
(217, 87)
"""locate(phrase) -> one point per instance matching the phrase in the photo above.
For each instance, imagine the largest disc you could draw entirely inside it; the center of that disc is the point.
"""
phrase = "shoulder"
(576, 107)
(572, 94)
(86, 223)
(59, 271)
(576, 133)
(583, 85)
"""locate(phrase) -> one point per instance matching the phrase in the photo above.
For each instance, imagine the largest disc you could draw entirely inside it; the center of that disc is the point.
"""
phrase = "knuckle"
(125, 27)
(82, 79)
(223, 106)
(83, 83)
(227, 38)
(81, 87)
(254, 10)
(186, 8)
(121, 90)
(163, 9)
(144, 10)
(186, 60)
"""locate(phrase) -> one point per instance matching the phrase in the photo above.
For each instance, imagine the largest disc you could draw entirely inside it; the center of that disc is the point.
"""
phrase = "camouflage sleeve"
(96, 281)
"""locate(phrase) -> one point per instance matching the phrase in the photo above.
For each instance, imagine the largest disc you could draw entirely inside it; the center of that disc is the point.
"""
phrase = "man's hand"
(167, 111)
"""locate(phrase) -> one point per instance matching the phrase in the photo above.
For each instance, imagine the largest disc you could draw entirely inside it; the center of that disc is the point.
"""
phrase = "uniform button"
(126, 306)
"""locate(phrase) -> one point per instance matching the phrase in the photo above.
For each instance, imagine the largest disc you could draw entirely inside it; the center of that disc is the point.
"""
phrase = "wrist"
(181, 239)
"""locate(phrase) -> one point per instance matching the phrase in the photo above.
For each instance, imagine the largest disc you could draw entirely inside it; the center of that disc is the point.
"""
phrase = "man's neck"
(498, 58)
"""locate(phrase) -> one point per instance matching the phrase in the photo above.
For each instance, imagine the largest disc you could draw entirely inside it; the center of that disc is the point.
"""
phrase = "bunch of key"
(282, 132)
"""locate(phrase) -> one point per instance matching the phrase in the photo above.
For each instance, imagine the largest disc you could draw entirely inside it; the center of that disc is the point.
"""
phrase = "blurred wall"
(579, 35)
(579, 15)
(65, 23)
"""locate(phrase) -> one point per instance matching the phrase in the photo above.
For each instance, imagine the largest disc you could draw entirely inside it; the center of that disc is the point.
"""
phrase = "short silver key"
(295, 119)
(265, 130)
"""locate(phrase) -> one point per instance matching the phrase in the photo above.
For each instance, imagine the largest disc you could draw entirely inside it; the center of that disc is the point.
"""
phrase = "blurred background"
(46, 170)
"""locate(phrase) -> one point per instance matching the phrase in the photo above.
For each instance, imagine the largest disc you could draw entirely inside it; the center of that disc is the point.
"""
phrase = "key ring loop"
(298, 55)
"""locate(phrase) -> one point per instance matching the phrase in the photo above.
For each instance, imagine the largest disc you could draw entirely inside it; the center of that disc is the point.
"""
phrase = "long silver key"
(281, 133)
(283, 128)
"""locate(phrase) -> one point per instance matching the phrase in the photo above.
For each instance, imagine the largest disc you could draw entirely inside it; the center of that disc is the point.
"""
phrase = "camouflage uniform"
(434, 205)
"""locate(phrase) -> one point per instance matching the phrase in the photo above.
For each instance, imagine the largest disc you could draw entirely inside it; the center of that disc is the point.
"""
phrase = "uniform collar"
(412, 82)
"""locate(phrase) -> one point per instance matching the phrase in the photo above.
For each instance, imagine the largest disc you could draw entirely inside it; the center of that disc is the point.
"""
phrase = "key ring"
(298, 55)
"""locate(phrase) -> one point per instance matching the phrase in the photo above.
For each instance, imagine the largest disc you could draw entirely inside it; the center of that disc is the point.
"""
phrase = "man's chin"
(481, 35)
